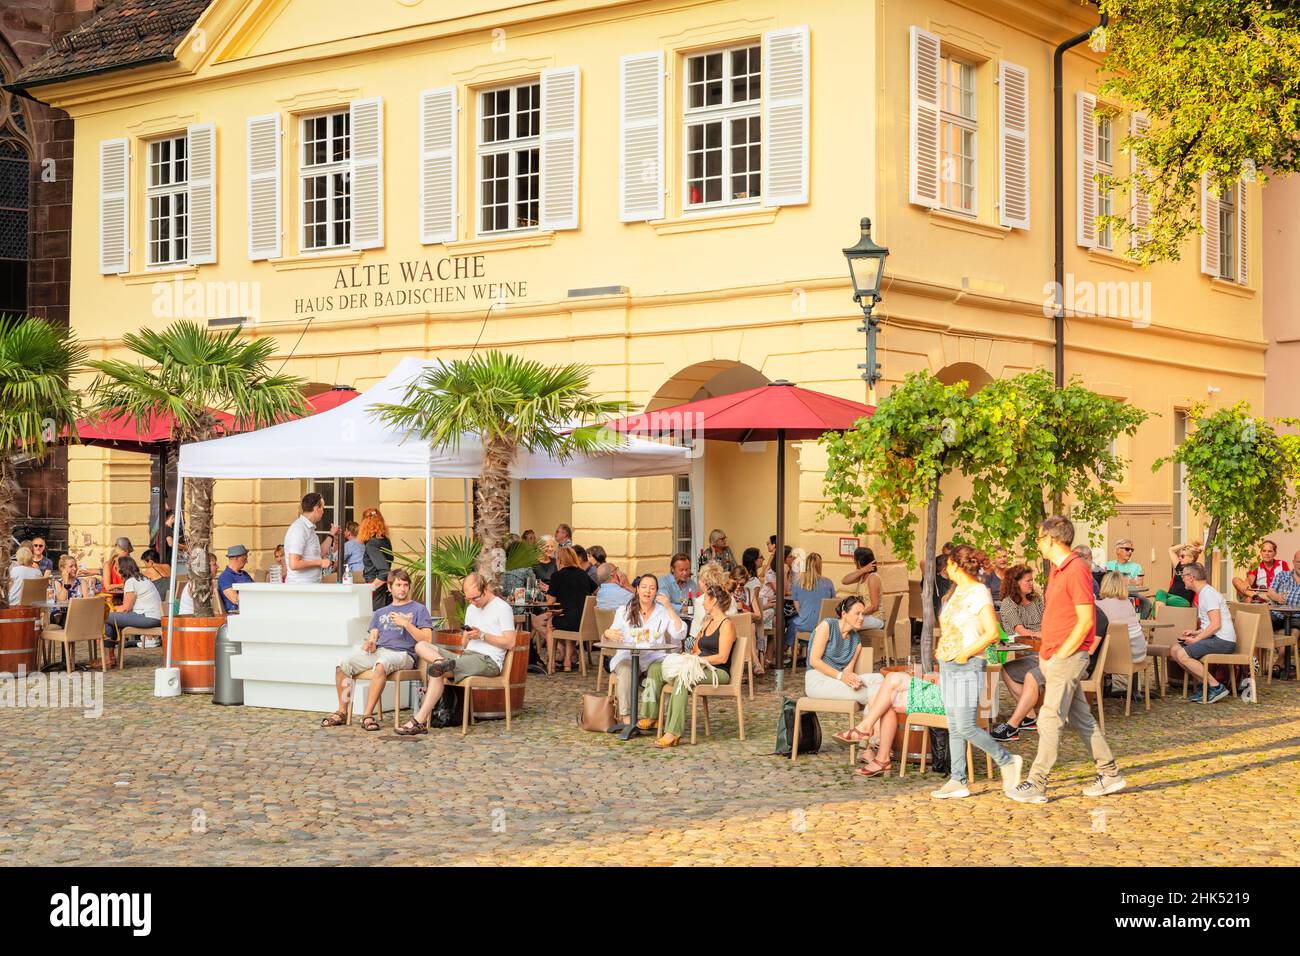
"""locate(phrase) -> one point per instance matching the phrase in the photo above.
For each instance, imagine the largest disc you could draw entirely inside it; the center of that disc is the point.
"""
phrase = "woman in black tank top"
(715, 645)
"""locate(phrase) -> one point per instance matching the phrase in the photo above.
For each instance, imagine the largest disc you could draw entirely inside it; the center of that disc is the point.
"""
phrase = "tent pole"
(778, 562)
(171, 584)
(428, 540)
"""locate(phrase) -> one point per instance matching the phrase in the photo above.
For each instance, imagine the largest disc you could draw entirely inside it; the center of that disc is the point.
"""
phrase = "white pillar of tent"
(167, 679)
(428, 540)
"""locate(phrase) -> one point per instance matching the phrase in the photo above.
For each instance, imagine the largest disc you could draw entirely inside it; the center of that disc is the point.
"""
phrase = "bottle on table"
(347, 574)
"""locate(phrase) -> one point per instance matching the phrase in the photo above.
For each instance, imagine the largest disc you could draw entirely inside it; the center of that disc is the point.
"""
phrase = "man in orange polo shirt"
(1069, 635)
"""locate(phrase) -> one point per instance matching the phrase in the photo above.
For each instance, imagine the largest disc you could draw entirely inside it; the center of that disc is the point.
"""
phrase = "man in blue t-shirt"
(232, 574)
(388, 648)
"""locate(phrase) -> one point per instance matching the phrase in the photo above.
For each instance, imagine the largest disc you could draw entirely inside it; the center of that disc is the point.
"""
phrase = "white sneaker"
(951, 789)
(1104, 785)
(1011, 774)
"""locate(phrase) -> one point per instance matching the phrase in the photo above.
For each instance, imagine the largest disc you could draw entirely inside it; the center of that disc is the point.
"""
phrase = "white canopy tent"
(350, 440)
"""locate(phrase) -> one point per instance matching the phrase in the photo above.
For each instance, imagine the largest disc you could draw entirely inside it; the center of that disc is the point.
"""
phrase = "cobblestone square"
(182, 782)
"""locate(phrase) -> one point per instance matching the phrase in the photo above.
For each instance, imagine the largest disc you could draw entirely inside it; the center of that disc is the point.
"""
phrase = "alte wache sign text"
(411, 282)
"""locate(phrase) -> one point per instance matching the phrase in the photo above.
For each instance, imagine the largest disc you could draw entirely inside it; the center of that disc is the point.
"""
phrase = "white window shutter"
(438, 165)
(264, 187)
(201, 148)
(1013, 145)
(561, 119)
(923, 124)
(641, 137)
(1139, 201)
(1209, 229)
(1243, 246)
(1086, 166)
(785, 117)
(114, 206)
(367, 126)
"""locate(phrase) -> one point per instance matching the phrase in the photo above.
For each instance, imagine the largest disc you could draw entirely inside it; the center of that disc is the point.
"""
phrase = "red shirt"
(1261, 571)
(1068, 585)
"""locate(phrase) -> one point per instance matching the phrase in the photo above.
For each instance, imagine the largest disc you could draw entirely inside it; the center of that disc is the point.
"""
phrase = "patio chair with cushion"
(833, 705)
(500, 682)
(1119, 660)
(882, 640)
(1248, 626)
(804, 637)
(586, 635)
(84, 622)
(703, 691)
(1269, 643)
(1096, 684)
(604, 621)
(1163, 640)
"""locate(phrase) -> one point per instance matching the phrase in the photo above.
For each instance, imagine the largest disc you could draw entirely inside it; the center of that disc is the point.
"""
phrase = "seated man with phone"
(489, 634)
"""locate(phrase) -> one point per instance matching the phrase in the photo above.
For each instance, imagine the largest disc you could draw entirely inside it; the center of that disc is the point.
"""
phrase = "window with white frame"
(958, 134)
(326, 181)
(723, 118)
(1228, 231)
(166, 197)
(509, 150)
(1178, 511)
(1105, 167)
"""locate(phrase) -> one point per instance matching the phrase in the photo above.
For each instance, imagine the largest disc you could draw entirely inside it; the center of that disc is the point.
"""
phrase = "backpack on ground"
(810, 731)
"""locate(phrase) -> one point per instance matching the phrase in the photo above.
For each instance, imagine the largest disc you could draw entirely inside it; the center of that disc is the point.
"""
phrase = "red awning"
(756, 414)
(120, 431)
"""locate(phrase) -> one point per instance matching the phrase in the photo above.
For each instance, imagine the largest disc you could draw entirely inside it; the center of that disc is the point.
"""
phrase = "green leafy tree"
(1034, 446)
(893, 463)
(188, 373)
(37, 358)
(1242, 475)
(1220, 81)
(510, 404)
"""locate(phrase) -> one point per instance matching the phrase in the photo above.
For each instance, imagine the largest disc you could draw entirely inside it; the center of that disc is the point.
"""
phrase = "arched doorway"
(730, 485)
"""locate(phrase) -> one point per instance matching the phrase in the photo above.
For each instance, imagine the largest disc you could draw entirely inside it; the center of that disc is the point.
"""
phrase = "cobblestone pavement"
(186, 782)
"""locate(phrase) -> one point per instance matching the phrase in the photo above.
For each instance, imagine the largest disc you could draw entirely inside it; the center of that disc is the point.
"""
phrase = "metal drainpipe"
(1059, 209)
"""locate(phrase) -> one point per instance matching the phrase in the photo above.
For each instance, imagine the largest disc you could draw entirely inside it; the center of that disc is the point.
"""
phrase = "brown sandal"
(336, 719)
(873, 769)
(852, 736)
(411, 728)
(368, 722)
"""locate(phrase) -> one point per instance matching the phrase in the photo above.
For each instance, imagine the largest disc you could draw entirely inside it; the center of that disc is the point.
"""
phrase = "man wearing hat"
(232, 574)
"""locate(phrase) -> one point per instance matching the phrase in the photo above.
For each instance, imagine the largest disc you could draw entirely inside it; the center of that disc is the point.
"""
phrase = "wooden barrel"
(18, 639)
(194, 652)
(489, 702)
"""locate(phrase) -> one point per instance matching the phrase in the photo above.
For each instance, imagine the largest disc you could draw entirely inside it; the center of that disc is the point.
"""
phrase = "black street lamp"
(866, 268)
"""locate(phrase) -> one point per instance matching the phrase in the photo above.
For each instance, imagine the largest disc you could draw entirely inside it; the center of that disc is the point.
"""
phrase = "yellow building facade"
(658, 190)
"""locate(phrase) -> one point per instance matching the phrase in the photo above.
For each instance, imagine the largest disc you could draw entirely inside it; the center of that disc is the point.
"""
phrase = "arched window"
(15, 176)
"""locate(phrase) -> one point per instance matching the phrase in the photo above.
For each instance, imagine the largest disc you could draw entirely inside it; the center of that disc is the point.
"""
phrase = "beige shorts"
(359, 661)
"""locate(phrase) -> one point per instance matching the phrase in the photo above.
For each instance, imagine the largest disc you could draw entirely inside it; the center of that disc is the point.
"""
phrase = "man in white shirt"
(302, 548)
(1216, 634)
(489, 634)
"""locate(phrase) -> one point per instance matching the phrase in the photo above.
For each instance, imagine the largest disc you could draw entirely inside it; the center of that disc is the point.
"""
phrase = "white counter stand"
(291, 637)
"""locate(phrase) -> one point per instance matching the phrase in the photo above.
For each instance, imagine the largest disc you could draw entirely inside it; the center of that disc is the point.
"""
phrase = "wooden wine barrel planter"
(18, 639)
(194, 652)
(491, 703)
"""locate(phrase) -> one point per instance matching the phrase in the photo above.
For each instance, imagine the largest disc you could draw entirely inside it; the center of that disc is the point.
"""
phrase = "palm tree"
(191, 372)
(511, 404)
(37, 358)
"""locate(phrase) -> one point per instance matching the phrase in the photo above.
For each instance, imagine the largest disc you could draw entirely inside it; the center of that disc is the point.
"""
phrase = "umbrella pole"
(778, 560)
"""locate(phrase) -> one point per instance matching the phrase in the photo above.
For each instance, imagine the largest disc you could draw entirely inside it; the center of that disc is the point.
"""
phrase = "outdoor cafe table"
(629, 730)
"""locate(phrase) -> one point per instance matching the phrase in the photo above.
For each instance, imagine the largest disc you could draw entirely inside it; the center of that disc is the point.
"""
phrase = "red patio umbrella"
(777, 412)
